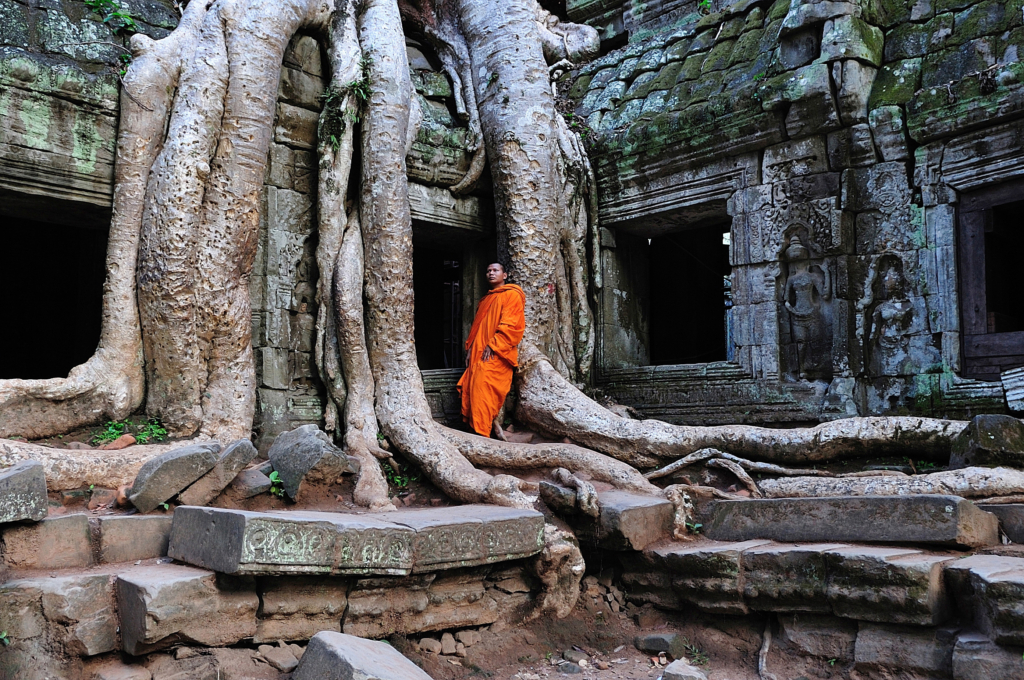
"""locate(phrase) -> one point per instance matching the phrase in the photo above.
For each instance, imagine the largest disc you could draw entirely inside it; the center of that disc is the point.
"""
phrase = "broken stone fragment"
(280, 658)
(23, 492)
(655, 643)
(232, 461)
(337, 656)
(249, 483)
(430, 645)
(680, 670)
(448, 644)
(468, 637)
(167, 474)
(307, 454)
(989, 440)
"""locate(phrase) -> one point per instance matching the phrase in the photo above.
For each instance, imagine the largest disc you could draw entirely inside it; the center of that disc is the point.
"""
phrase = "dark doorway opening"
(990, 242)
(437, 285)
(689, 296)
(51, 293)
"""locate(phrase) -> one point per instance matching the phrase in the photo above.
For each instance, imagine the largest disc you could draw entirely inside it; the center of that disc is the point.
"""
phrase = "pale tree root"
(111, 384)
(68, 469)
(550, 403)
(559, 568)
(708, 454)
(972, 482)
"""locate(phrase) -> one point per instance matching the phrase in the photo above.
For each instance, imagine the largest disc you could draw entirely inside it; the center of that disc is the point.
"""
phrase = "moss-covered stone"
(580, 87)
(719, 57)
(915, 40)
(955, 63)
(627, 69)
(703, 41)
(434, 84)
(940, 110)
(678, 50)
(888, 12)
(754, 20)
(778, 10)
(988, 18)
(746, 48)
(13, 24)
(895, 83)
(732, 28)
(851, 38)
(667, 77)
(640, 86)
(692, 67)
(952, 5)
(602, 77)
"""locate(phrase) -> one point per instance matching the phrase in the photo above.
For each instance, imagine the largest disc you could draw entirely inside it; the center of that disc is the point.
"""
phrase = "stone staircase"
(899, 582)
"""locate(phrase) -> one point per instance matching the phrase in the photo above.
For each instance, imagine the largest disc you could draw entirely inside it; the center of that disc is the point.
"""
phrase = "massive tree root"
(192, 153)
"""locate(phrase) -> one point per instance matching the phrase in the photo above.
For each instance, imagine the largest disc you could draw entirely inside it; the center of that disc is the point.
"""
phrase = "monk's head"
(496, 275)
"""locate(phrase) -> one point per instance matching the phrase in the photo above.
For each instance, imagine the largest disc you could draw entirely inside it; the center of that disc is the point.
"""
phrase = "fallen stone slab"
(925, 519)
(337, 656)
(233, 460)
(887, 585)
(1011, 518)
(307, 454)
(708, 574)
(299, 607)
(128, 538)
(115, 670)
(23, 492)
(975, 657)
(469, 535)
(240, 542)
(655, 643)
(167, 604)
(162, 477)
(989, 439)
(989, 591)
(53, 543)
(249, 483)
(627, 521)
(786, 577)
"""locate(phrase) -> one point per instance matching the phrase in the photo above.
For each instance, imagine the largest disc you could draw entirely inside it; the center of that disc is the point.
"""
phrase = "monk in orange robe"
(492, 352)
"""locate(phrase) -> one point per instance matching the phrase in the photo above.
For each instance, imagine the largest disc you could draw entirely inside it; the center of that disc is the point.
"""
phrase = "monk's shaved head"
(496, 274)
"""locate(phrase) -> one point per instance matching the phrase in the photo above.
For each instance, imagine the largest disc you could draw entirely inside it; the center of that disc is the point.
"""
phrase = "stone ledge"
(396, 544)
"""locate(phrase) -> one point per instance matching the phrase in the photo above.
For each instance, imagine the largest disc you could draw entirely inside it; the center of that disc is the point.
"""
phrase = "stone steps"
(948, 521)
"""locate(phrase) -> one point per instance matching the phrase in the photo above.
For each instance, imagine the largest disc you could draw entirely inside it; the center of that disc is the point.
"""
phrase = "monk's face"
(496, 275)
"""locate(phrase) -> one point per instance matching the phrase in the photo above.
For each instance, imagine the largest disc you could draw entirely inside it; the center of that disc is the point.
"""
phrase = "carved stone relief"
(805, 312)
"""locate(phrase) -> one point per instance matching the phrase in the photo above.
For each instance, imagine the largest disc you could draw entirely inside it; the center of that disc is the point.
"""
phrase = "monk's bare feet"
(496, 430)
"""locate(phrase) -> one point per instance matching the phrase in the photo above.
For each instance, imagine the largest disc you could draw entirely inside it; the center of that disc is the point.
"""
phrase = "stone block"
(299, 607)
(786, 577)
(887, 585)
(232, 460)
(817, 635)
(422, 603)
(938, 520)
(53, 543)
(133, 537)
(975, 657)
(295, 126)
(165, 475)
(273, 368)
(300, 88)
(900, 649)
(848, 37)
(627, 521)
(989, 439)
(75, 613)
(896, 83)
(168, 604)
(307, 455)
(249, 483)
(23, 492)
(989, 591)
(1013, 385)
(239, 542)
(707, 574)
(888, 130)
(1011, 518)
(792, 159)
(336, 656)
(799, 48)
(854, 81)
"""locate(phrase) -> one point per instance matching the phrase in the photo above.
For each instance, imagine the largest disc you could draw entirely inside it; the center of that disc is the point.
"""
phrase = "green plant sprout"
(114, 15)
(276, 485)
(397, 479)
(5, 639)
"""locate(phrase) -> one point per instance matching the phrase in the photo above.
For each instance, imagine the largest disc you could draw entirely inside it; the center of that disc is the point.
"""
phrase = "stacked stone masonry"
(840, 139)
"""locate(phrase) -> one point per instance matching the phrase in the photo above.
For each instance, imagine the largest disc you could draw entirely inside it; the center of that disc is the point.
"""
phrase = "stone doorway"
(689, 296)
(52, 281)
(437, 286)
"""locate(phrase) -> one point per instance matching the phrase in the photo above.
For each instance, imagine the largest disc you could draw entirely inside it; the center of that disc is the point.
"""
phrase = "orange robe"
(499, 324)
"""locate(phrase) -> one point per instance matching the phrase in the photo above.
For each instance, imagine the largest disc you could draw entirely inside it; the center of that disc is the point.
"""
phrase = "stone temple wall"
(839, 138)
